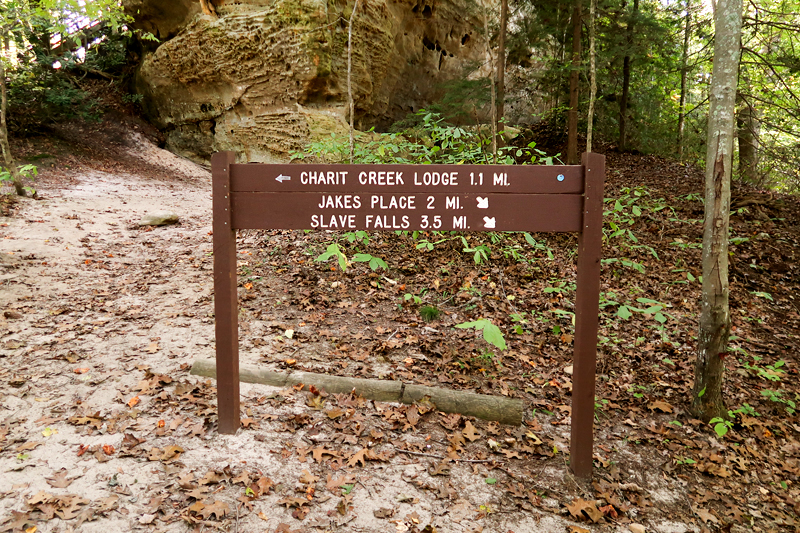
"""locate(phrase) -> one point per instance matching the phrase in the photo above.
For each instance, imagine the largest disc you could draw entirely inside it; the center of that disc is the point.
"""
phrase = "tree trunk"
(501, 63)
(592, 76)
(207, 6)
(8, 158)
(626, 78)
(747, 126)
(492, 85)
(715, 320)
(684, 74)
(499, 408)
(349, 78)
(574, 78)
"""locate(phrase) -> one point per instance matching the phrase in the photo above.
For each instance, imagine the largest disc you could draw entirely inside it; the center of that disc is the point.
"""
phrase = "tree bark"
(715, 320)
(592, 76)
(626, 79)
(349, 77)
(574, 78)
(498, 408)
(501, 63)
(492, 85)
(747, 126)
(684, 74)
(208, 7)
(5, 148)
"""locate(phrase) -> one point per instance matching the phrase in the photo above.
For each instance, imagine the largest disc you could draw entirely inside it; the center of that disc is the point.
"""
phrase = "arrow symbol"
(283, 178)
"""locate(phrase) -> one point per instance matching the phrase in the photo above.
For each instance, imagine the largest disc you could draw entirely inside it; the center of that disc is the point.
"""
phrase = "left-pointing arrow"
(283, 178)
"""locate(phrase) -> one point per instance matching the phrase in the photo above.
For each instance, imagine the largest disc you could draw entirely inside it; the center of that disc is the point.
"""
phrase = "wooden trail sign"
(413, 197)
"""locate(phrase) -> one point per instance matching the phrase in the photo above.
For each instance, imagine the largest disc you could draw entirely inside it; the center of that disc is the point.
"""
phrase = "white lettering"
(393, 202)
(333, 222)
(501, 179)
(436, 178)
(387, 222)
(381, 177)
(329, 177)
(339, 201)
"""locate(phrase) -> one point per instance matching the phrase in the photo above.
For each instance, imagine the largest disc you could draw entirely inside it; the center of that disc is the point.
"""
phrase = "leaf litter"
(132, 436)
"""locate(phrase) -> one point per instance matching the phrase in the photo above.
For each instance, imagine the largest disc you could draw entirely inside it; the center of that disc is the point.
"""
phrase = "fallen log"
(495, 408)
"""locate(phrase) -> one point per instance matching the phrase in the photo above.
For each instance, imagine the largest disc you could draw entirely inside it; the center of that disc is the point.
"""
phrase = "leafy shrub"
(431, 140)
(45, 88)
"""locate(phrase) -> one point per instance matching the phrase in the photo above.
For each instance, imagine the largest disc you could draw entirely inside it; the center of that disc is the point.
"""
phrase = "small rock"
(159, 219)
(636, 528)
(13, 315)
(383, 512)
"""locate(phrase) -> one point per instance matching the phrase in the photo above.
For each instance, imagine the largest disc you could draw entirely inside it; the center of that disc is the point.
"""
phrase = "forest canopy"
(653, 73)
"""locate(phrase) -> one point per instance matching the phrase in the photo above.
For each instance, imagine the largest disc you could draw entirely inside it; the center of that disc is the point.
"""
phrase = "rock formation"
(266, 76)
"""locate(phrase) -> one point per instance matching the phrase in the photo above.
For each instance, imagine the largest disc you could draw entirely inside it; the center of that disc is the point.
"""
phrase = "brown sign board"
(395, 179)
(389, 212)
(413, 197)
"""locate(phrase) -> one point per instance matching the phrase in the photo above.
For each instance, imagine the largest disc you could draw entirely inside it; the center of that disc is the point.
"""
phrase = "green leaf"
(624, 312)
(493, 335)
(376, 262)
(701, 393)
(333, 249)
(530, 239)
(491, 480)
(648, 301)
(721, 429)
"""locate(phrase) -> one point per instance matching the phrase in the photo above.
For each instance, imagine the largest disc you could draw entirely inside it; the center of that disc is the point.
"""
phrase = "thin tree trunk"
(491, 83)
(501, 63)
(207, 6)
(626, 79)
(715, 320)
(592, 76)
(747, 127)
(349, 77)
(8, 158)
(684, 74)
(572, 122)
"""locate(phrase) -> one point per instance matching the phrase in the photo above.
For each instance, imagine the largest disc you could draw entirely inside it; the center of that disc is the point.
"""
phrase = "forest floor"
(102, 427)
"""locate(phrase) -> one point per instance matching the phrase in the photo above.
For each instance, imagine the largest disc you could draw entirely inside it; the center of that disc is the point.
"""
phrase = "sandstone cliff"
(265, 76)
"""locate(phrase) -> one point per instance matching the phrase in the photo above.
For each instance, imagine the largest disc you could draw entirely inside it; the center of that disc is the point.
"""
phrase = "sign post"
(413, 197)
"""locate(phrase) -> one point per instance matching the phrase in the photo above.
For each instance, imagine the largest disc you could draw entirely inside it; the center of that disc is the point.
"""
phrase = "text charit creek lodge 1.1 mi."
(392, 202)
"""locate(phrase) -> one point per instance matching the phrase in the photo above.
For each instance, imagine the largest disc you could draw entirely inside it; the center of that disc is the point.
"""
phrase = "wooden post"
(587, 301)
(226, 308)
